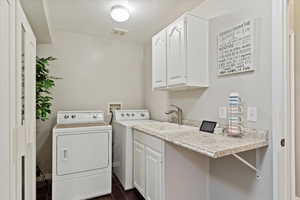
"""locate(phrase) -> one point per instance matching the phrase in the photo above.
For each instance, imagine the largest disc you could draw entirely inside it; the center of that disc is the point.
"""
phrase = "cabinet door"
(176, 52)
(139, 167)
(159, 60)
(153, 175)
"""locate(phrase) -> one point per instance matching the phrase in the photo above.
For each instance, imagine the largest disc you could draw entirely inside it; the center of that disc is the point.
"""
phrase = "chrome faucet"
(178, 112)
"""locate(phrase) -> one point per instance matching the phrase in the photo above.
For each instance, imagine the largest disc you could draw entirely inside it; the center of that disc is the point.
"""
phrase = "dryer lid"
(80, 125)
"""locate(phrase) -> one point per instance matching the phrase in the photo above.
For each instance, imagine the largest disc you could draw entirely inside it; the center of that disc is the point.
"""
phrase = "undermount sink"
(167, 127)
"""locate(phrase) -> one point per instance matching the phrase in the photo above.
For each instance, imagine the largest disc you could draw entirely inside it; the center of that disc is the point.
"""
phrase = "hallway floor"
(118, 193)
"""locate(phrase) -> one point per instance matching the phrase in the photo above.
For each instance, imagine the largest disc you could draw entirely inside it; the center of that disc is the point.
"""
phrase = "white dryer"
(82, 156)
(123, 122)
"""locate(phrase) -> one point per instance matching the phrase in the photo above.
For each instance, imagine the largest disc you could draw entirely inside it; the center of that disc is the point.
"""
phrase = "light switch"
(252, 114)
(222, 112)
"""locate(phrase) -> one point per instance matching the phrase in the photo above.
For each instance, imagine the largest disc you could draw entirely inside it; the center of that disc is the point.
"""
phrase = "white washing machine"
(82, 156)
(123, 122)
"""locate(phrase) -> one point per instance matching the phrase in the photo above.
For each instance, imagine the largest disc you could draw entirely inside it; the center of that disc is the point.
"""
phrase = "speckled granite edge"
(211, 145)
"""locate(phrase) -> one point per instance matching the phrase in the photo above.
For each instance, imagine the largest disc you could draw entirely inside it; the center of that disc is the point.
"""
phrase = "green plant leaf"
(44, 83)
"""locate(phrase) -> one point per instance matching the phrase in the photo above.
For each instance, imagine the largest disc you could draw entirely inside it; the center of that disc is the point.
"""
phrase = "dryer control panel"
(126, 115)
(72, 117)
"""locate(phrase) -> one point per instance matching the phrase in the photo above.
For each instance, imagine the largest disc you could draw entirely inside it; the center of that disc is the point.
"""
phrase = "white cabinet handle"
(65, 154)
(175, 28)
(158, 41)
(175, 77)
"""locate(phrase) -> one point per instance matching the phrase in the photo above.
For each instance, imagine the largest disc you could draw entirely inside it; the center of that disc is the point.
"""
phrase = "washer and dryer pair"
(82, 156)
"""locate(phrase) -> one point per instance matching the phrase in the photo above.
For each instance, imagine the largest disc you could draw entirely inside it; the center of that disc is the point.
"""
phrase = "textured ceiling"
(93, 16)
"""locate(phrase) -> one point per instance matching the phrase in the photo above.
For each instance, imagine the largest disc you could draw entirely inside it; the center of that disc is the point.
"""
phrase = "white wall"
(95, 72)
(297, 87)
(230, 179)
(156, 101)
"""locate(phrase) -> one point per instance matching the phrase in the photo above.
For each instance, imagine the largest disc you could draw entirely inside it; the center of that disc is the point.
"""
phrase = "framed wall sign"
(236, 49)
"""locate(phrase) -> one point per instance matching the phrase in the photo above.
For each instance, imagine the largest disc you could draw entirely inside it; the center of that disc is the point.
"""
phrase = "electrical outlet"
(222, 112)
(252, 114)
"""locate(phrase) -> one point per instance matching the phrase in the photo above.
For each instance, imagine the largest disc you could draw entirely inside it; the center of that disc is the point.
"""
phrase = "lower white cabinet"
(148, 156)
(164, 171)
(139, 167)
(153, 175)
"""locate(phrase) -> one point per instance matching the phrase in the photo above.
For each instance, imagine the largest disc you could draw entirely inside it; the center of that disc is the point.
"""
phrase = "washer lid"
(132, 123)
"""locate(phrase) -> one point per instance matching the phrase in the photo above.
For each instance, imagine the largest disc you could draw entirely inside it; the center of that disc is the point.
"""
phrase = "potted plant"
(44, 83)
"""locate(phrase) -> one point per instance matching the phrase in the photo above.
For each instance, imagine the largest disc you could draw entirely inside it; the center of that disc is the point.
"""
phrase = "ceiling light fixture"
(120, 13)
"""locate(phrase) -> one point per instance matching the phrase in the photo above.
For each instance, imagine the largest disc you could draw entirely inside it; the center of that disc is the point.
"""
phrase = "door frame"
(25, 131)
(282, 103)
(9, 136)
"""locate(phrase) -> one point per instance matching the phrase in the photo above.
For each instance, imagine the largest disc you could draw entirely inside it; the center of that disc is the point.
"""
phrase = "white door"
(139, 167)
(176, 53)
(6, 46)
(153, 175)
(26, 136)
(159, 60)
(30, 150)
(76, 152)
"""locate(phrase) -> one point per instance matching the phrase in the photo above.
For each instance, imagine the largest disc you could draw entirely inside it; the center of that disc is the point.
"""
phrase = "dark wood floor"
(118, 193)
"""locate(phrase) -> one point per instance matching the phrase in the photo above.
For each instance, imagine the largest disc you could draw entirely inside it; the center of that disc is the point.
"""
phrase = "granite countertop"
(211, 145)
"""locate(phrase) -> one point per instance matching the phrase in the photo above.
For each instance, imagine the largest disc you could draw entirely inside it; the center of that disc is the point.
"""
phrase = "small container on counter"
(235, 115)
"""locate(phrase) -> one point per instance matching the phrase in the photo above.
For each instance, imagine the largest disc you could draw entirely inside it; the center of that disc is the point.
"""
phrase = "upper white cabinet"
(159, 60)
(176, 53)
(186, 54)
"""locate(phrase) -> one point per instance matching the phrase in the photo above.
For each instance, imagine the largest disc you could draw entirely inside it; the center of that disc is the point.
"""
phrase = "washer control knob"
(128, 115)
(66, 116)
(122, 115)
(73, 116)
(142, 115)
(132, 114)
(94, 116)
